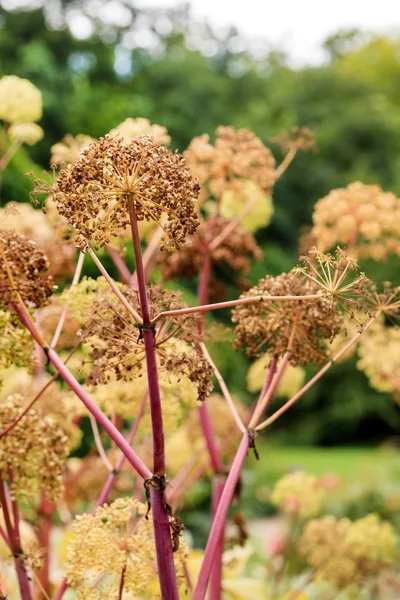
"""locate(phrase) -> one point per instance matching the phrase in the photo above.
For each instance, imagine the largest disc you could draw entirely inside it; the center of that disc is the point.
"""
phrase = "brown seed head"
(93, 192)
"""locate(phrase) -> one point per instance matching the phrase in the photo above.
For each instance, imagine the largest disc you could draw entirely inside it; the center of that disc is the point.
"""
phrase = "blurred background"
(193, 66)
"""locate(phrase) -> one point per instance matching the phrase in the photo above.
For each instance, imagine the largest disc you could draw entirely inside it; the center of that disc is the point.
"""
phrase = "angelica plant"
(135, 358)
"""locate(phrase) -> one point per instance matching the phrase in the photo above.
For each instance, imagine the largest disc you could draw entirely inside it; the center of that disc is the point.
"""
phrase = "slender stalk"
(115, 289)
(75, 281)
(92, 407)
(268, 381)
(113, 475)
(121, 583)
(229, 303)
(219, 519)
(264, 403)
(313, 380)
(99, 444)
(15, 543)
(165, 559)
(233, 223)
(224, 389)
(216, 571)
(119, 262)
(61, 590)
(285, 163)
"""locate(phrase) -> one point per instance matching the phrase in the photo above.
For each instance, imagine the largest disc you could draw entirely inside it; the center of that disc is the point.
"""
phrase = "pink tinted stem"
(220, 518)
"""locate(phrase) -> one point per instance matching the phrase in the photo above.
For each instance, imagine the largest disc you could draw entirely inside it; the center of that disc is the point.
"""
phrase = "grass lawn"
(347, 462)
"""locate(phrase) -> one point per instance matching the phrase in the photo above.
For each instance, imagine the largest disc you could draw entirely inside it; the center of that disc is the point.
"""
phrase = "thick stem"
(220, 518)
(15, 543)
(165, 559)
(92, 407)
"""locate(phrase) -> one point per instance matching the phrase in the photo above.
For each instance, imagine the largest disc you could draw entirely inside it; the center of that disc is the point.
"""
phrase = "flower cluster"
(234, 251)
(299, 493)
(295, 138)
(93, 192)
(118, 543)
(131, 128)
(242, 196)
(34, 450)
(236, 154)
(117, 344)
(22, 218)
(379, 357)
(67, 151)
(23, 269)
(20, 100)
(267, 325)
(28, 133)
(361, 216)
(345, 552)
(16, 343)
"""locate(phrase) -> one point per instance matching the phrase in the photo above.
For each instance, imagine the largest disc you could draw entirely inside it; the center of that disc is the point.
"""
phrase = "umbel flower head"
(345, 552)
(116, 540)
(235, 251)
(34, 450)
(118, 347)
(23, 269)
(363, 216)
(16, 343)
(20, 100)
(237, 154)
(299, 493)
(93, 192)
(266, 325)
(131, 128)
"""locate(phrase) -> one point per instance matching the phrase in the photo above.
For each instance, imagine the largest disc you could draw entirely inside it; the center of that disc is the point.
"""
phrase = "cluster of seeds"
(93, 193)
(267, 325)
(23, 269)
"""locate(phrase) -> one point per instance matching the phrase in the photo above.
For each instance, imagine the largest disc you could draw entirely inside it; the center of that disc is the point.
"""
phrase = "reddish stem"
(15, 544)
(119, 262)
(165, 559)
(92, 407)
(44, 527)
(220, 518)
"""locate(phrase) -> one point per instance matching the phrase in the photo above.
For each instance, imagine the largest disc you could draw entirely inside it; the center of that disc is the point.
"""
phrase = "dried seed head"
(93, 192)
(267, 325)
(236, 154)
(235, 250)
(37, 227)
(362, 216)
(23, 265)
(117, 344)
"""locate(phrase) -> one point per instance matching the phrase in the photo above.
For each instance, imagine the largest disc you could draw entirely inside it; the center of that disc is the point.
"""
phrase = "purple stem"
(92, 407)
(162, 534)
(219, 519)
(15, 544)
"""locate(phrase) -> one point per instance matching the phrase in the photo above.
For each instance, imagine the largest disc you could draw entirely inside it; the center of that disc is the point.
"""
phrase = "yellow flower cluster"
(361, 216)
(116, 538)
(241, 194)
(131, 128)
(20, 100)
(299, 493)
(379, 357)
(34, 450)
(30, 133)
(16, 343)
(345, 552)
